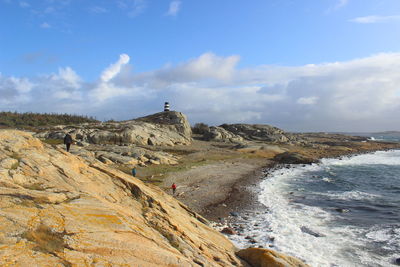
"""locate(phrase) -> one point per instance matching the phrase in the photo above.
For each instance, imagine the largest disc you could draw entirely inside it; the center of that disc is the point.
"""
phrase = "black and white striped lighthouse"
(166, 106)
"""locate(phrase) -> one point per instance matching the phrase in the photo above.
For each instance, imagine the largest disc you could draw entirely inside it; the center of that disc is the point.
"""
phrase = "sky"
(310, 65)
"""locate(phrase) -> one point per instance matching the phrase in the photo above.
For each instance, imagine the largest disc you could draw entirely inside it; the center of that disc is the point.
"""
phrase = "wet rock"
(342, 210)
(306, 230)
(266, 257)
(228, 231)
(397, 261)
(293, 158)
(234, 214)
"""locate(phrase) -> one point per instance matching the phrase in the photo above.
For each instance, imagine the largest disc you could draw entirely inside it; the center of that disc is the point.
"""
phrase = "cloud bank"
(358, 95)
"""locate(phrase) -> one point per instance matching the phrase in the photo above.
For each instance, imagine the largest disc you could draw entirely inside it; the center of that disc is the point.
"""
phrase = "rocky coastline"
(89, 207)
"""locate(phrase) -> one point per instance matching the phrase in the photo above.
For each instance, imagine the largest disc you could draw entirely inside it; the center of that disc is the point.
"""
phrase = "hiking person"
(173, 187)
(68, 141)
(134, 172)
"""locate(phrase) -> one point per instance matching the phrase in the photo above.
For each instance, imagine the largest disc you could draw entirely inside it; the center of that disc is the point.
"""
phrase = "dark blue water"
(342, 212)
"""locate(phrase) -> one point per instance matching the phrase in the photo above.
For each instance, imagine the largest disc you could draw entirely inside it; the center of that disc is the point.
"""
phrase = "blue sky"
(300, 65)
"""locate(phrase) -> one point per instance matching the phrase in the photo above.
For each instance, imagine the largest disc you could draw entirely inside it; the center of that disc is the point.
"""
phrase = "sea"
(339, 212)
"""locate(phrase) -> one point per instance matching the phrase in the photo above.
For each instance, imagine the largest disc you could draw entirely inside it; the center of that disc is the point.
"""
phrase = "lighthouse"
(166, 106)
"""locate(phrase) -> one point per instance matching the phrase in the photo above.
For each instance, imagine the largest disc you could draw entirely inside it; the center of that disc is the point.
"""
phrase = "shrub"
(200, 128)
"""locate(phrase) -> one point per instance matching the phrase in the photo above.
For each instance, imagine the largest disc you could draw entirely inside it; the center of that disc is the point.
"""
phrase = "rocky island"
(84, 208)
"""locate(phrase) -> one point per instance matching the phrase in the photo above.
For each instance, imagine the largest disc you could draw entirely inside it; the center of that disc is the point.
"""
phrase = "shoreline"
(221, 203)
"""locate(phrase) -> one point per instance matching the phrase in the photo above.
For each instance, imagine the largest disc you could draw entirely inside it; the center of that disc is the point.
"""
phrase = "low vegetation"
(29, 119)
(200, 128)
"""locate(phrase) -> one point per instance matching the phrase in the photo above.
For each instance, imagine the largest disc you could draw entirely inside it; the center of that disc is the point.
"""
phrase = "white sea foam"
(379, 157)
(350, 195)
(294, 226)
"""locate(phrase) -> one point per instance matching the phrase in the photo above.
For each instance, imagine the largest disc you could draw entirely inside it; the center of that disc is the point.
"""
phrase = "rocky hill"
(58, 209)
(164, 128)
(237, 133)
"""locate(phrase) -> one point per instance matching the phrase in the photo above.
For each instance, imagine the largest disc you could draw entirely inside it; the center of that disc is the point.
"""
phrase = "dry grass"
(53, 142)
(46, 240)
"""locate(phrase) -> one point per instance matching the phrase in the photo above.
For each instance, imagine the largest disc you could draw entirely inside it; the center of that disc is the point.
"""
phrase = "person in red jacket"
(173, 187)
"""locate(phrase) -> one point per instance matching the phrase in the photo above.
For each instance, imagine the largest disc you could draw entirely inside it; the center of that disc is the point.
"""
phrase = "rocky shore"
(84, 207)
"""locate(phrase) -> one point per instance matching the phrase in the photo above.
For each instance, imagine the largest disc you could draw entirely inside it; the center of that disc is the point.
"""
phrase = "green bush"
(29, 119)
(200, 128)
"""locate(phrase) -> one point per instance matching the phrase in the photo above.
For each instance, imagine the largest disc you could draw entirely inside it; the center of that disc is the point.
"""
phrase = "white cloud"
(358, 95)
(45, 25)
(115, 68)
(174, 8)
(98, 10)
(134, 7)
(375, 19)
(341, 3)
(307, 100)
(24, 4)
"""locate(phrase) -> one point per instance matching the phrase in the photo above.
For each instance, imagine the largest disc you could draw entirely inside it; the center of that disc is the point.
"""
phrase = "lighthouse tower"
(166, 106)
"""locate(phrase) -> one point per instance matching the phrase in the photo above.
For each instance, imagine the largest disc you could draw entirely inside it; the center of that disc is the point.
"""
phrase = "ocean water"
(340, 212)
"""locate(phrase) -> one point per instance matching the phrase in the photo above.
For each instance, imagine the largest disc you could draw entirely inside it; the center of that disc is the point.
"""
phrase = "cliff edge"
(56, 210)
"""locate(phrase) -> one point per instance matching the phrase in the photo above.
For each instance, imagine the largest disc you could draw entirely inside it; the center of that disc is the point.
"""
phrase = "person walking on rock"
(68, 141)
(173, 187)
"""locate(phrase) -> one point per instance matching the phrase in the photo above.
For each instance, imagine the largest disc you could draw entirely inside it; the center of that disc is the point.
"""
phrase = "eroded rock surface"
(259, 257)
(260, 132)
(58, 210)
(161, 129)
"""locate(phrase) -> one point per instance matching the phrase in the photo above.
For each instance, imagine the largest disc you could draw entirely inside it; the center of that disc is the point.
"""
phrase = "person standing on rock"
(68, 141)
(134, 171)
(173, 187)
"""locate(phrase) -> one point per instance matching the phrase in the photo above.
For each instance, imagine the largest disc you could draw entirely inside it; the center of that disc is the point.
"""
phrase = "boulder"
(259, 132)
(260, 257)
(293, 158)
(219, 134)
(228, 231)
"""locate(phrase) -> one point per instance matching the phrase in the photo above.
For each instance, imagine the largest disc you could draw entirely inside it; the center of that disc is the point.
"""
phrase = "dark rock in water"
(294, 158)
(397, 261)
(233, 213)
(252, 241)
(248, 237)
(311, 232)
(272, 239)
(228, 231)
(342, 210)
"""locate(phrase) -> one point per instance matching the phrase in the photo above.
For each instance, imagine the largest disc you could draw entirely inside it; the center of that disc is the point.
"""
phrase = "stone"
(228, 231)
(66, 211)
(261, 257)
(293, 158)
(397, 261)
(165, 128)
(219, 134)
(259, 132)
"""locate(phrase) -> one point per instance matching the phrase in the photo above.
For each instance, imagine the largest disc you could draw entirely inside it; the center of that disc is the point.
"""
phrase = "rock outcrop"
(259, 132)
(58, 210)
(161, 129)
(294, 158)
(219, 134)
(259, 257)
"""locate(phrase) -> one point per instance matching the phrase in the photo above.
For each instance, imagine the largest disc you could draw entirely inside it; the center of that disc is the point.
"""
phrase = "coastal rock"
(228, 231)
(160, 129)
(260, 257)
(56, 209)
(259, 132)
(219, 134)
(293, 158)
